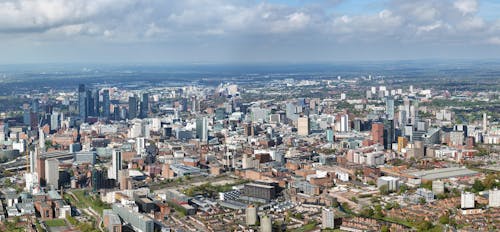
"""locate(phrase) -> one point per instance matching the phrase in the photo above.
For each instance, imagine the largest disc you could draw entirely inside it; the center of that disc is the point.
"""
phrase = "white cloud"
(494, 40)
(466, 6)
(236, 22)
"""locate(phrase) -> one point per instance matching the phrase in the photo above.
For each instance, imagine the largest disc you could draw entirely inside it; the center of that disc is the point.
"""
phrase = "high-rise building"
(98, 179)
(327, 218)
(40, 169)
(97, 104)
(402, 116)
(251, 215)
(144, 108)
(33, 156)
(329, 135)
(90, 103)
(202, 129)
(303, 126)
(485, 122)
(140, 145)
(41, 139)
(402, 143)
(132, 107)
(52, 172)
(344, 123)
(266, 224)
(106, 103)
(494, 198)
(378, 132)
(54, 121)
(116, 164)
(82, 102)
(438, 187)
(27, 117)
(467, 200)
(388, 134)
(389, 108)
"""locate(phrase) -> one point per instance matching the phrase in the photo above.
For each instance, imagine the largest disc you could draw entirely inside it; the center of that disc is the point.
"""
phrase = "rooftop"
(443, 173)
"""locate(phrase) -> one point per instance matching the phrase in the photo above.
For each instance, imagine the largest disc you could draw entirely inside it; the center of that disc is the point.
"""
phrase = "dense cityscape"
(300, 152)
(249, 115)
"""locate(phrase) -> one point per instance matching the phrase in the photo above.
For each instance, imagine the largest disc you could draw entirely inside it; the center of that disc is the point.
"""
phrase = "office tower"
(96, 103)
(144, 108)
(97, 179)
(40, 169)
(124, 179)
(291, 111)
(329, 135)
(54, 121)
(33, 156)
(52, 172)
(41, 139)
(105, 103)
(388, 134)
(266, 224)
(303, 126)
(344, 123)
(35, 105)
(90, 103)
(82, 102)
(402, 143)
(251, 215)
(132, 107)
(140, 144)
(389, 108)
(27, 117)
(327, 218)
(116, 164)
(402, 116)
(485, 122)
(378, 132)
(467, 200)
(202, 129)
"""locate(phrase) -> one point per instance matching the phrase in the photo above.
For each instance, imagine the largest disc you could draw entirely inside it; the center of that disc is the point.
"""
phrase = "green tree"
(444, 219)
(377, 209)
(424, 226)
(384, 189)
(477, 186)
(403, 188)
(491, 181)
(384, 228)
(367, 212)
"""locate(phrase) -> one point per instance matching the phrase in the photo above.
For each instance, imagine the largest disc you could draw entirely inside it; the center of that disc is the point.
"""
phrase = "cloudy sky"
(215, 31)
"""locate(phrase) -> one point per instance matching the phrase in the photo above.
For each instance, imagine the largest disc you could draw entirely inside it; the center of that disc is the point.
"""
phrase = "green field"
(55, 223)
(85, 200)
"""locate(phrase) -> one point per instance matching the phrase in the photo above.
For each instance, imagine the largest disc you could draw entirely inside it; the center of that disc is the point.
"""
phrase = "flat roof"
(443, 173)
(260, 185)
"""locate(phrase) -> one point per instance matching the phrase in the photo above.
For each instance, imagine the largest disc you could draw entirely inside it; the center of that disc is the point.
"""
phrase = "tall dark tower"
(132, 107)
(82, 102)
(144, 105)
(388, 134)
(90, 103)
(105, 103)
(97, 105)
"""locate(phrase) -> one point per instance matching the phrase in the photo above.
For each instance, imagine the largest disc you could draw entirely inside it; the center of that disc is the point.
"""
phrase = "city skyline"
(247, 31)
